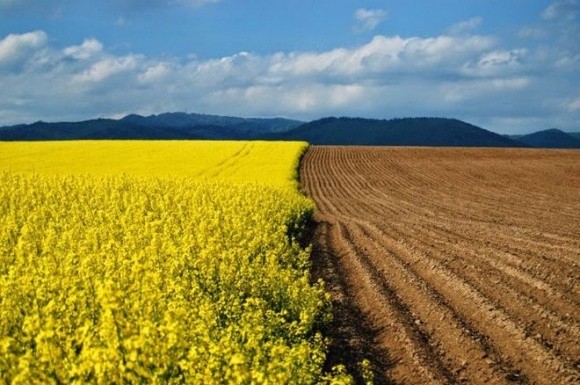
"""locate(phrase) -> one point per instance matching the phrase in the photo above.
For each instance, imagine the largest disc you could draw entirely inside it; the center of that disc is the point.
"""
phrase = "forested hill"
(440, 132)
(398, 132)
(551, 138)
(176, 125)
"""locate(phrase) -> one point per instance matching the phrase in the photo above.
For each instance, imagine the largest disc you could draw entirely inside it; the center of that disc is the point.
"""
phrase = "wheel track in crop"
(459, 265)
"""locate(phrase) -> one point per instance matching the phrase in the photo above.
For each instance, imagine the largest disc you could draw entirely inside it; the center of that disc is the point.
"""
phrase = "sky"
(510, 66)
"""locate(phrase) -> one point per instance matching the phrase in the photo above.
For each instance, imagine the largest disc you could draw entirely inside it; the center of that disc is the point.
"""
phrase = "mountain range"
(327, 131)
(398, 132)
(551, 138)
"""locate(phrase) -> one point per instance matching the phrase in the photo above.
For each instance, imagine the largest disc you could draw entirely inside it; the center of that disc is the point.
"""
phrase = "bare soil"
(450, 266)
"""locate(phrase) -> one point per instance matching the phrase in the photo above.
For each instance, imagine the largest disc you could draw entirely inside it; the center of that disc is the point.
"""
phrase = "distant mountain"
(438, 132)
(574, 135)
(184, 120)
(163, 126)
(552, 138)
(398, 132)
(92, 129)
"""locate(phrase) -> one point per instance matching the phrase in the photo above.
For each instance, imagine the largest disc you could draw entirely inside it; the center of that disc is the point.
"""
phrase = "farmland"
(272, 163)
(450, 265)
(136, 262)
(179, 262)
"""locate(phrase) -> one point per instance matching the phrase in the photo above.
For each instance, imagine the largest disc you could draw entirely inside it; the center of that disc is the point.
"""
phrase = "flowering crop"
(272, 163)
(132, 279)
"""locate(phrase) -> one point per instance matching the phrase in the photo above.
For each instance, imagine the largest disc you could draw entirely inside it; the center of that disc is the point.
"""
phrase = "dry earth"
(450, 265)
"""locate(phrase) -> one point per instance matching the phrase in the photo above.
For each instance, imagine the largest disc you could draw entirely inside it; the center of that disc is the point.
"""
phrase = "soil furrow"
(450, 265)
(385, 307)
(454, 339)
(466, 299)
(487, 260)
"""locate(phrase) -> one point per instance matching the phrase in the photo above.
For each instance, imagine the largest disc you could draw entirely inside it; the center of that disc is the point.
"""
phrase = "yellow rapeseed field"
(152, 262)
(273, 163)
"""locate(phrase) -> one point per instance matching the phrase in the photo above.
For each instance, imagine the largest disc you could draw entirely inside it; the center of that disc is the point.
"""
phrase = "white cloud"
(496, 63)
(476, 89)
(89, 48)
(466, 76)
(300, 98)
(501, 58)
(156, 72)
(465, 26)
(568, 62)
(382, 55)
(562, 9)
(369, 19)
(105, 68)
(15, 48)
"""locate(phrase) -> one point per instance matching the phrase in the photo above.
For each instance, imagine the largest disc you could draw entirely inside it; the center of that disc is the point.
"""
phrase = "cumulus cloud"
(383, 55)
(465, 26)
(466, 76)
(562, 9)
(105, 68)
(15, 48)
(155, 72)
(369, 19)
(89, 48)
(497, 63)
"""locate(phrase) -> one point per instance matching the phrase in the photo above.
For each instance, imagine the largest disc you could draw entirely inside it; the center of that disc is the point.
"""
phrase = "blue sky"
(511, 66)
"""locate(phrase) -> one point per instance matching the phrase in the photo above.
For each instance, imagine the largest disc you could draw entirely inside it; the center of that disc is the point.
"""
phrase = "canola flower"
(164, 280)
(271, 163)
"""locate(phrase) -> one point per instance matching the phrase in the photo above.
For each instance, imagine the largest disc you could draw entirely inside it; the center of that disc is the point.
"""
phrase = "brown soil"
(450, 265)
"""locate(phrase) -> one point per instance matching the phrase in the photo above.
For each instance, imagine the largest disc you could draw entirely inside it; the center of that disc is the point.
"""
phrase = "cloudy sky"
(511, 66)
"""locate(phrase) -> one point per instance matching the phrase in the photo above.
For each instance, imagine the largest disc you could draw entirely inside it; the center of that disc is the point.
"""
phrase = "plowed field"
(450, 265)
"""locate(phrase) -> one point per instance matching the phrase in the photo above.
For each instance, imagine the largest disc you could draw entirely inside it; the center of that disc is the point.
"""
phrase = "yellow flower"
(156, 267)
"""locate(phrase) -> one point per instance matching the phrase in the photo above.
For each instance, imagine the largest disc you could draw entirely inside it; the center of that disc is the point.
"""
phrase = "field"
(180, 262)
(272, 163)
(151, 262)
(450, 265)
